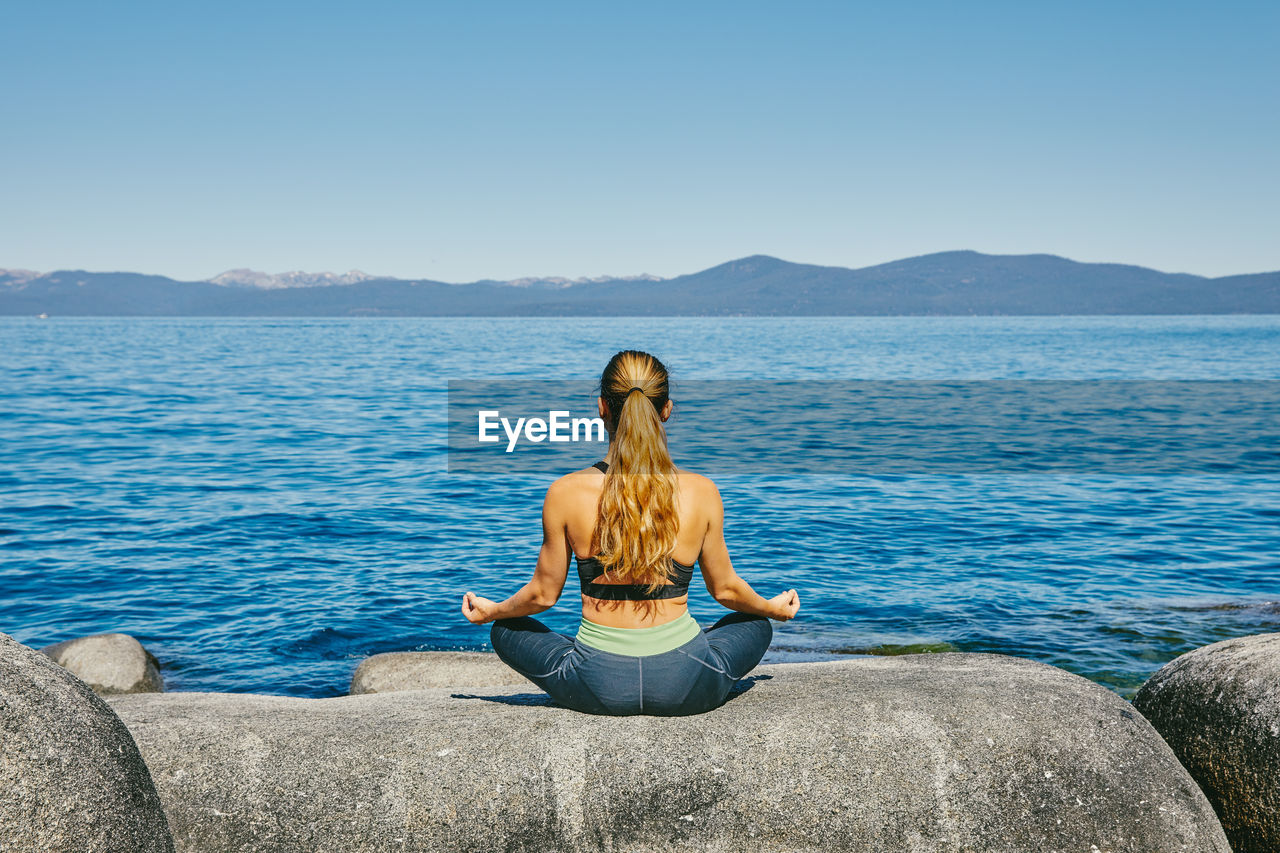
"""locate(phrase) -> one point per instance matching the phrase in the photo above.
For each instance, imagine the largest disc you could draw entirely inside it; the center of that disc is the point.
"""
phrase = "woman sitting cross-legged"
(636, 525)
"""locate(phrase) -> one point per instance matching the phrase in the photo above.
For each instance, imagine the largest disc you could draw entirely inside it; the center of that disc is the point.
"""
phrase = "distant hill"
(946, 283)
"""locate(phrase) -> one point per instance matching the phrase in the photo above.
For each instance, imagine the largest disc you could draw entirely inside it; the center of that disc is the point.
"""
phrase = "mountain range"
(944, 283)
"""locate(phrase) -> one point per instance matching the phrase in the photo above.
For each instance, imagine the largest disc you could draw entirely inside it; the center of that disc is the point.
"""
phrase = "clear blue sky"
(485, 139)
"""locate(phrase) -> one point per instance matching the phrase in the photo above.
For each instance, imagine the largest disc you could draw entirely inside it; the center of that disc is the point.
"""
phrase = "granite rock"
(1219, 708)
(71, 777)
(392, 671)
(109, 663)
(922, 753)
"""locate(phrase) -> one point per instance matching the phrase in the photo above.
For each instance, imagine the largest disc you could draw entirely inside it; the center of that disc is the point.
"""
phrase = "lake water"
(265, 502)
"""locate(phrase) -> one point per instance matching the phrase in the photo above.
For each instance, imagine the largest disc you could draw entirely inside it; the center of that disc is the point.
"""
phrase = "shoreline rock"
(1218, 707)
(71, 777)
(922, 753)
(109, 663)
(394, 671)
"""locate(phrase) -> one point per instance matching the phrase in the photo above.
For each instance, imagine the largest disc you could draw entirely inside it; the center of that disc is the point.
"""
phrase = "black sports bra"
(589, 569)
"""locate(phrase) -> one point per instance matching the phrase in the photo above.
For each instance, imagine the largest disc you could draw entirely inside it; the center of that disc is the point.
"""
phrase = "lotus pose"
(636, 525)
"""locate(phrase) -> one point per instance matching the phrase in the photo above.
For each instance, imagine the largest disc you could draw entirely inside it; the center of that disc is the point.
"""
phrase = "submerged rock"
(71, 778)
(939, 752)
(425, 670)
(1219, 708)
(109, 663)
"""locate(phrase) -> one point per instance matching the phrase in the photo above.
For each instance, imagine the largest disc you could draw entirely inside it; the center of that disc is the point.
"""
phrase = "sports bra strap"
(589, 570)
(632, 591)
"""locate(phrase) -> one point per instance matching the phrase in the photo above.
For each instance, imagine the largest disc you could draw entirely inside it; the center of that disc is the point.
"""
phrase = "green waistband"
(639, 642)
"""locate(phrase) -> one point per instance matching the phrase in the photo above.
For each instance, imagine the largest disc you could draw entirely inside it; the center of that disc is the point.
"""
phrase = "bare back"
(571, 507)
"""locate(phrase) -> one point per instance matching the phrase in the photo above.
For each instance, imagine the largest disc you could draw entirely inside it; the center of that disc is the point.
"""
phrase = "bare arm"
(723, 582)
(544, 588)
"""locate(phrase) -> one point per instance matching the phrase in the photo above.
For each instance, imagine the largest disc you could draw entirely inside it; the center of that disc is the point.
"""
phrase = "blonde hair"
(636, 519)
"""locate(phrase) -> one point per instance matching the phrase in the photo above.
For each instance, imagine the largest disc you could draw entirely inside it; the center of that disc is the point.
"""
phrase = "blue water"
(264, 502)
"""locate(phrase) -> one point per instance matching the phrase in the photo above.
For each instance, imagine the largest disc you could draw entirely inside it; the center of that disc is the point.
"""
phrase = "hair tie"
(635, 388)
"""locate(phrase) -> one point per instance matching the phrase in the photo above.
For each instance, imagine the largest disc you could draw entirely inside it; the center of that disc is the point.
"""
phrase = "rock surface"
(71, 778)
(425, 670)
(1219, 708)
(109, 663)
(923, 753)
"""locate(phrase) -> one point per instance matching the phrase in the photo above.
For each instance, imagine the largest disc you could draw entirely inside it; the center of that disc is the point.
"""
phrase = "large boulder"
(1219, 708)
(71, 778)
(940, 752)
(109, 663)
(425, 670)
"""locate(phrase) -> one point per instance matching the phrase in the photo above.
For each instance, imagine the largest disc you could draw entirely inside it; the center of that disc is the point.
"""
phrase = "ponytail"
(636, 520)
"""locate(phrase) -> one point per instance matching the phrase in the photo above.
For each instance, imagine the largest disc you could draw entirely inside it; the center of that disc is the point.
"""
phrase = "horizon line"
(576, 280)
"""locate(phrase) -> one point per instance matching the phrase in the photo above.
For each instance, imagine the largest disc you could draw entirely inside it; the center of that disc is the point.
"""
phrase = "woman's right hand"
(785, 605)
(477, 610)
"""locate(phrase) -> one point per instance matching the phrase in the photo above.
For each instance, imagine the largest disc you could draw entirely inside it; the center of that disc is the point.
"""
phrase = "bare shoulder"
(698, 485)
(573, 485)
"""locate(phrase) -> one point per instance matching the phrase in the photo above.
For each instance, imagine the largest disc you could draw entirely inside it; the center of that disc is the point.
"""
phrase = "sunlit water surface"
(264, 502)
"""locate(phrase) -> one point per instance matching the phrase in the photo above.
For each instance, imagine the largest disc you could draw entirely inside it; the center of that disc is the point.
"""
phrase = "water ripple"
(263, 503)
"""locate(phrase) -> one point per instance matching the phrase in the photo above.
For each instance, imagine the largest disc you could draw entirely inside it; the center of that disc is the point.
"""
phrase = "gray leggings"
(693, 678)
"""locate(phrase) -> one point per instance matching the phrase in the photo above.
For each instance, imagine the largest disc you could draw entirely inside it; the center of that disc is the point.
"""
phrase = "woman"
(635, 524)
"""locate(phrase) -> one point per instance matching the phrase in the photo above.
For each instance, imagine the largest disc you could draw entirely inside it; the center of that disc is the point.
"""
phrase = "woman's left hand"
(478, 610)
